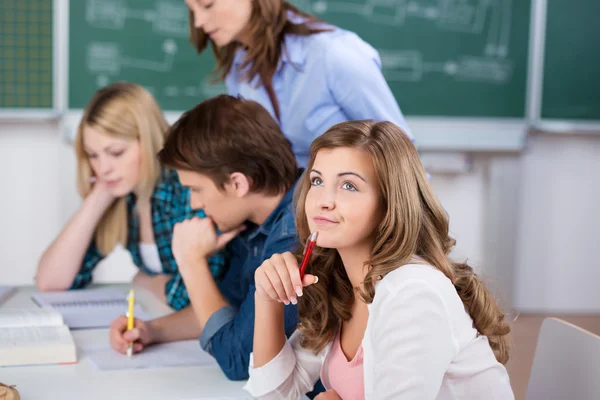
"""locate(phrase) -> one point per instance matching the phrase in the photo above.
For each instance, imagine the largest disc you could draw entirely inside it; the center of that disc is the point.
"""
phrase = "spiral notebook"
(89, 308)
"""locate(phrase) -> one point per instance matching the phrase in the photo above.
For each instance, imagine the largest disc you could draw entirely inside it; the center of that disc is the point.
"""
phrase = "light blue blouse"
(321, 80)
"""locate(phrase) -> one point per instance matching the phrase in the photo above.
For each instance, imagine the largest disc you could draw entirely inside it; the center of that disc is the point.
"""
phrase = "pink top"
(345, 377)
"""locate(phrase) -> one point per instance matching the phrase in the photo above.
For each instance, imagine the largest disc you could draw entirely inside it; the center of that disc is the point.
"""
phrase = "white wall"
(558, 256)
(462, 196)
(557, 263)
(29, 200)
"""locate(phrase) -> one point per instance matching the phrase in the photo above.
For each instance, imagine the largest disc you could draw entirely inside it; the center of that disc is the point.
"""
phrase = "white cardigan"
(419, 344)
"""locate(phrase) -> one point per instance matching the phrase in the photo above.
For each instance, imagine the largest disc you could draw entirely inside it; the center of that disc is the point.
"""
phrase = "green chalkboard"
(571, 88)
(460, 58)
(26, 54)
(142, 41)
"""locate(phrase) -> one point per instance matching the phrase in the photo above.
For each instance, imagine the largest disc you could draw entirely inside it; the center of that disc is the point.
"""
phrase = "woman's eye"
(349, 186)
(316, 181)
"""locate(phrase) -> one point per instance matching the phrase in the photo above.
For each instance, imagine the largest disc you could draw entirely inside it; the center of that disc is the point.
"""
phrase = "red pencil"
(312, 239)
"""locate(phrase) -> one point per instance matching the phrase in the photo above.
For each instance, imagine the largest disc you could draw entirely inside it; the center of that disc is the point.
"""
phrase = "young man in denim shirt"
(242, 171)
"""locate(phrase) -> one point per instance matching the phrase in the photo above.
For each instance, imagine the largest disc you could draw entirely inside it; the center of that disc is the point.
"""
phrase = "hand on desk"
(142, 335)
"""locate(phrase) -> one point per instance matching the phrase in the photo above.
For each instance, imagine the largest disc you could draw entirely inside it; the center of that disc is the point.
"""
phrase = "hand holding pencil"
(280, 278)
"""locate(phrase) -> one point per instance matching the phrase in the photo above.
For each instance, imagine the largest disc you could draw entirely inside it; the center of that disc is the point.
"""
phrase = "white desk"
(84, 381)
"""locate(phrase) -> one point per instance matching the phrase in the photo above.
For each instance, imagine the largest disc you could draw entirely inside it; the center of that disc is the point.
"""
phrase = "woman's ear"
(238, 185)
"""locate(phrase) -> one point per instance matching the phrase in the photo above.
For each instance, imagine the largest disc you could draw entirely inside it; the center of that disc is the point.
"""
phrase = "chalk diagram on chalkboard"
(168, 18)
(465, 16)
(105, 59)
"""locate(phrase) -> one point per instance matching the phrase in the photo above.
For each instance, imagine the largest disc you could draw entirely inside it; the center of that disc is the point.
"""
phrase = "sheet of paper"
(17, 317)
(175, 354)
(89, 308)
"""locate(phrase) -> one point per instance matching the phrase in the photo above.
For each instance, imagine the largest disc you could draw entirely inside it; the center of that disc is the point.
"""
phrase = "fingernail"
(299, 291)
(287, 303)
(294, 301)
(316, 280)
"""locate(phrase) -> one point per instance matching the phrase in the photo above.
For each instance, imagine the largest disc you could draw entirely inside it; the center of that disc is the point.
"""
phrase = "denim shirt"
(229, 333)
(170, 205)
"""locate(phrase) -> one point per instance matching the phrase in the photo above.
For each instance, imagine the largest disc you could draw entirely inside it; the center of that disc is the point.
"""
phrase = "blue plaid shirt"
(170, 205)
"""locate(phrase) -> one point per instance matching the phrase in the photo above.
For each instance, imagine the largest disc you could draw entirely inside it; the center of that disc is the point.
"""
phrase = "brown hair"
(268, 26)
(226, 134)
(128, 111)
(414, 223)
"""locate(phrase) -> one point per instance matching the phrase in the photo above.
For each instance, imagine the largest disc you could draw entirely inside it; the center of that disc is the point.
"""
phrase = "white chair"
(566, 364)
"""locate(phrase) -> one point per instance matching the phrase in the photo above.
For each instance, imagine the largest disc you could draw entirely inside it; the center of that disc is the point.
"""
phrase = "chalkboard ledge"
(29, 114)
(567, 127)
(431, 134)
(468, 134)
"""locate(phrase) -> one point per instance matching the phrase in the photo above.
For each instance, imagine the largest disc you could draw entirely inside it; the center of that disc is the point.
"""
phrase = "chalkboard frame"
(536, 121)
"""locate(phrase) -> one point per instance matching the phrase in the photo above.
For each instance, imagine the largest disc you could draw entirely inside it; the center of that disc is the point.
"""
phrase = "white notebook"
(89, 308)
(34, 336)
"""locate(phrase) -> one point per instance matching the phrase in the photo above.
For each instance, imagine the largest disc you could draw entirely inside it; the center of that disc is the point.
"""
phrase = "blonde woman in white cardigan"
(385, 314)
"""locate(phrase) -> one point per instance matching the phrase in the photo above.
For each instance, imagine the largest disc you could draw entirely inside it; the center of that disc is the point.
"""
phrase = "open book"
(34, 336)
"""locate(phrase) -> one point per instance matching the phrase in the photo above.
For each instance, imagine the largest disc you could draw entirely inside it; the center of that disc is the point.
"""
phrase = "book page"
(89, 308)
(29, 317)
(36, 345)
(34, 336)
(174, 354)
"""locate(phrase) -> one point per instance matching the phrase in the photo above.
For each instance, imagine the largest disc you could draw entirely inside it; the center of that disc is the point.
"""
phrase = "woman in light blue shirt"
(309, 75)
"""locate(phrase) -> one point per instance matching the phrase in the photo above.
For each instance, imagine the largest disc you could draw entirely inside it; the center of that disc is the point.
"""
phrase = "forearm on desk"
(205, 296)
(62, 260)
(181, 325)
(230, 347)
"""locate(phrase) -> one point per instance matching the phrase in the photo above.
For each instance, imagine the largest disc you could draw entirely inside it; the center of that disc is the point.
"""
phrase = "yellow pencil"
(131, 299)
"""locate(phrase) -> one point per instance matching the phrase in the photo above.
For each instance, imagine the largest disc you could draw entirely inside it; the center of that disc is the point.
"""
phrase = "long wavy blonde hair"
(414, 224)
(127, 111)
